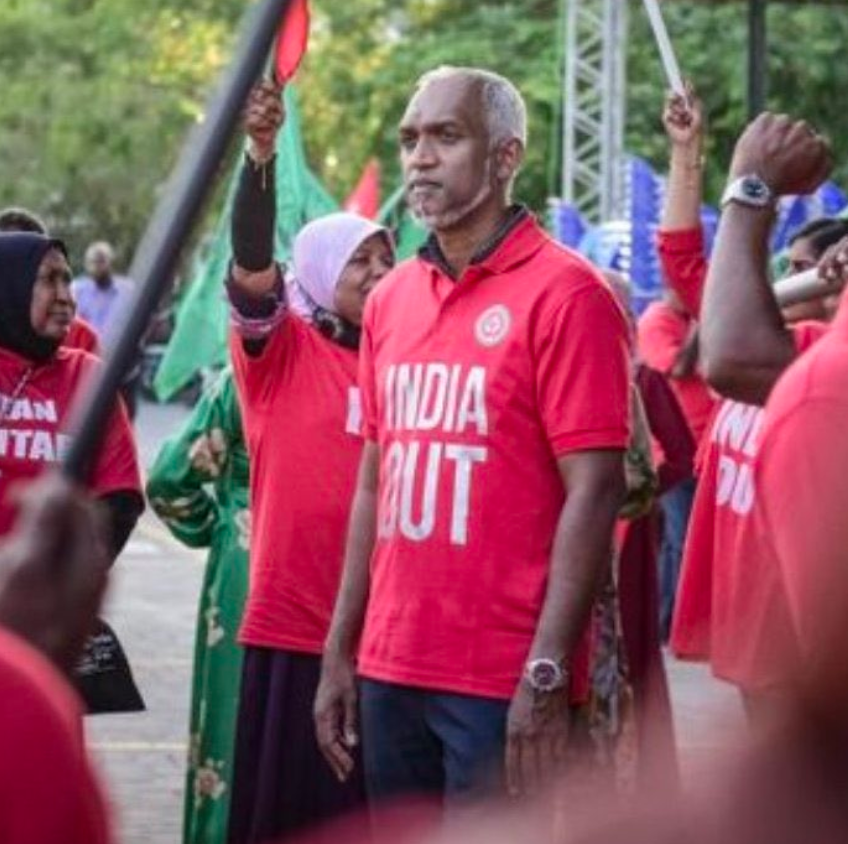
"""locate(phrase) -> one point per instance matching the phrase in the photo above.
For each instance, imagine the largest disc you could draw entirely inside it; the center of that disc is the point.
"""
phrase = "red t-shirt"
(302, 424)
(48, 792)
(472, 390)
(81, 335)
(713, 616)
(796, 593)
(662, 334)
(32, 433)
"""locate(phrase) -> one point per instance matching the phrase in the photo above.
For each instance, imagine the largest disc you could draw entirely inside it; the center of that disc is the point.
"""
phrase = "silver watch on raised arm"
(748, 190)
(545, 675)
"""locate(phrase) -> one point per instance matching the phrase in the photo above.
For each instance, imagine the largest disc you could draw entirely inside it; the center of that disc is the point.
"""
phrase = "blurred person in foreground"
(295, 351)
(103, 298)
(81, 335)
(199, 487)
(52, 577)
(495, 391)
(745, 346)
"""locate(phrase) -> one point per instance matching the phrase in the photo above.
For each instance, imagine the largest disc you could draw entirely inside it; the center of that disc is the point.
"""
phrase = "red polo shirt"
(302, 420)
(796, 586)
(472, 389)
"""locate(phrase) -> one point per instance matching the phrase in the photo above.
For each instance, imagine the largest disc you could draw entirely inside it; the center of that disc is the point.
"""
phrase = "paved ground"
(152, 604)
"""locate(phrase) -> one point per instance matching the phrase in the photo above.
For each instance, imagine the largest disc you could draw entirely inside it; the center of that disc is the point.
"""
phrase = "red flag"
(365, 198)
(291, 41)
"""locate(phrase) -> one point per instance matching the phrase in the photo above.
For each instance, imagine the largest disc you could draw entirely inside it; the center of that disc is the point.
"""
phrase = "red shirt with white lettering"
(795, 586)
(302, 425)
(713, 618)
(472, 390)
(48, 792)
(663, 332)
(34, 404)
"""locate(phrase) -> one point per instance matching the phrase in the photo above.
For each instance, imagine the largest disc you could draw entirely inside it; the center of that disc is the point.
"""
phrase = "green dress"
(203, 510)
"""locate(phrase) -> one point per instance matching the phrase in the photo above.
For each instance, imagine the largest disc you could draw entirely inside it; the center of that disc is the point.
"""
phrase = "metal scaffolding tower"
(594, 107)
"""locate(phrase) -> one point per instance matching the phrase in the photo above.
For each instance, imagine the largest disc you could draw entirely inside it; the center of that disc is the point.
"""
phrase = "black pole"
(172, 222)
(757, 57)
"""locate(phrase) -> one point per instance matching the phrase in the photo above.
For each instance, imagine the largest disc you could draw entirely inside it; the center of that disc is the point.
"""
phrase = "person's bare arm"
(684, 125)
(336, 699)
(537, 729)
(745, 345)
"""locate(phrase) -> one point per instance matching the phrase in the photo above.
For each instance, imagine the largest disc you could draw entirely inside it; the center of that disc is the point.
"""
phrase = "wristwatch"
(748, 190)
(545, 675)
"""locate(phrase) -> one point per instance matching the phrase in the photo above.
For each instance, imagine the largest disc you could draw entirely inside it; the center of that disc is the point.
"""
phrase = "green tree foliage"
(97, 97)
(806, 75)
(99, 94)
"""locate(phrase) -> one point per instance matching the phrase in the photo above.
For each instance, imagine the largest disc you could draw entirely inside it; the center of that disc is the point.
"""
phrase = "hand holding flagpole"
(184, 196)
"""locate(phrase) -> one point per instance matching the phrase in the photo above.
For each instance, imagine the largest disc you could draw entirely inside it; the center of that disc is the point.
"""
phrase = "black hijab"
(21, 255)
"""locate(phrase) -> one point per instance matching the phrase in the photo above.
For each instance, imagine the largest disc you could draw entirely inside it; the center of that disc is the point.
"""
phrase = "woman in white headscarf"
(294, 348)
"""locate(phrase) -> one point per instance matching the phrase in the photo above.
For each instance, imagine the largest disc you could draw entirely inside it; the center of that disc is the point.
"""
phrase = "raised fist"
(683, 118)
(263, 118)
(789, 155)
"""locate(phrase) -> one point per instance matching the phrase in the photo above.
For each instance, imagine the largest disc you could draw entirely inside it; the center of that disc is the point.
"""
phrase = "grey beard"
(450, 218)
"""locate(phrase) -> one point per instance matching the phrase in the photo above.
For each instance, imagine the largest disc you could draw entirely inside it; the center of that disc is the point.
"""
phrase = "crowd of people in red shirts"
(483, 494)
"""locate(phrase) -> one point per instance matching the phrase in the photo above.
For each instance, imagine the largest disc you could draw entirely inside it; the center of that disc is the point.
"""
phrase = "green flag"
(200, 333)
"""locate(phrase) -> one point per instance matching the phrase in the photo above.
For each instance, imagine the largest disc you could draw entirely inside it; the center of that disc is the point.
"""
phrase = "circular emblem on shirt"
(492, 325)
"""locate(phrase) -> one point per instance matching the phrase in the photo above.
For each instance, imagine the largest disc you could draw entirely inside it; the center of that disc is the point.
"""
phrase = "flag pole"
(669, 60)
(156, 257)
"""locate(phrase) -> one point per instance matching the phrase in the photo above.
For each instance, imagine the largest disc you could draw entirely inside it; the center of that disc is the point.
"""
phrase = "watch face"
(754, 188)
(545, 675)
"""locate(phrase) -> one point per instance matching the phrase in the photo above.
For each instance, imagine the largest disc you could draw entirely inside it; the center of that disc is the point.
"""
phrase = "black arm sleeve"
(123, 509)
(254, 216)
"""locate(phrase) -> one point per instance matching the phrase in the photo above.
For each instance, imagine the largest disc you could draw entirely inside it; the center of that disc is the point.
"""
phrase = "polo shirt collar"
(506, 245)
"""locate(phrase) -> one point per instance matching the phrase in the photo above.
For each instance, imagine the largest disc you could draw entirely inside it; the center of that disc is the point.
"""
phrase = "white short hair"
(99, 249)
(506, 113)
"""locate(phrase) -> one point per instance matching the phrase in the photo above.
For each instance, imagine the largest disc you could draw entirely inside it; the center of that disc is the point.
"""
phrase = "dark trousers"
(676, 506)
(422, 744)
(281, 783)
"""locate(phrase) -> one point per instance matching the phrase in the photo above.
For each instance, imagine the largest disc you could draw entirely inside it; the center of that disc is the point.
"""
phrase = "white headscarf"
(320, 252)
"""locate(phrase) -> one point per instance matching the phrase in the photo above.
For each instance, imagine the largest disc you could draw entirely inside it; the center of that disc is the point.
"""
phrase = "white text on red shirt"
(438, 397)
(736, 432)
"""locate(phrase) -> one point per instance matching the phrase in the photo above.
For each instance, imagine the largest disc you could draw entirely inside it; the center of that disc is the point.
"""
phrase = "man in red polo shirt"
(495, 401)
